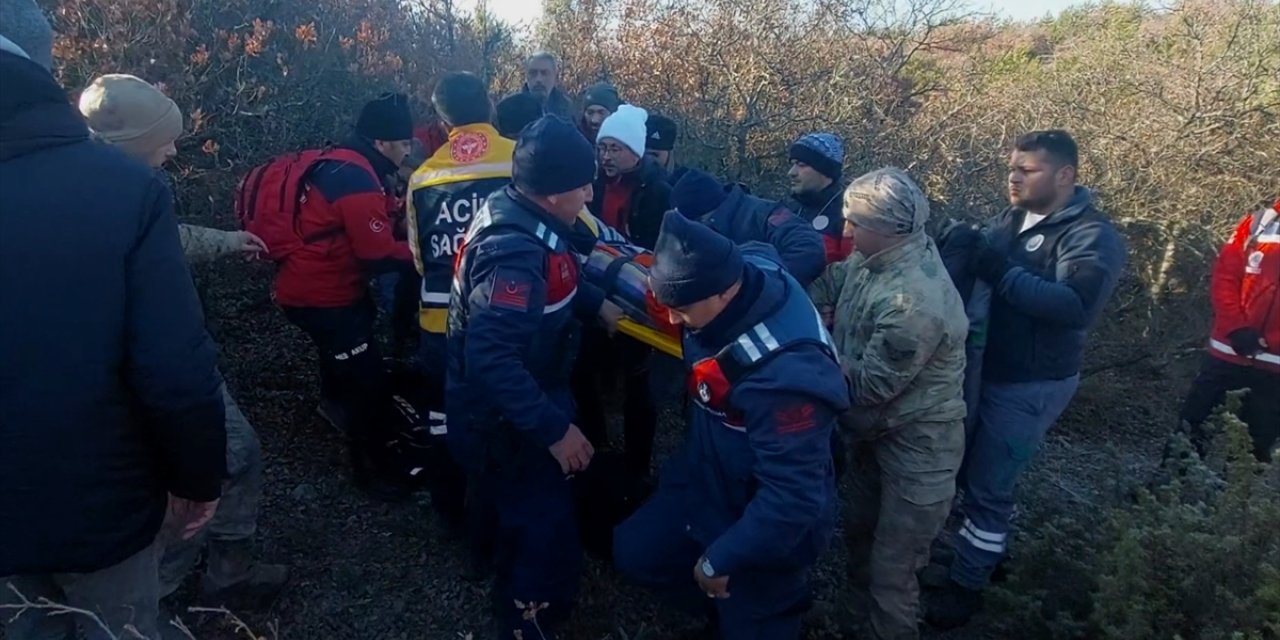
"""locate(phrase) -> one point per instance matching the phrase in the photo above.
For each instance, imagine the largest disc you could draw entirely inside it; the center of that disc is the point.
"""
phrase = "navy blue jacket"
(1066, 268)
(513, 329)
(756, 471)
(745, 218)
(109, 392)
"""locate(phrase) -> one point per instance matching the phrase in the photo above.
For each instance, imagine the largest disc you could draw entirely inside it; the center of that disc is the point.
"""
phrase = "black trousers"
(1261, 408)
(351, 368)
(601, 362)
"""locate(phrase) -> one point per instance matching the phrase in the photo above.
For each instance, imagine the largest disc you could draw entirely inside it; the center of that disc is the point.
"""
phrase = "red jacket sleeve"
(368, 225)
(1227, 278)
(836, 248)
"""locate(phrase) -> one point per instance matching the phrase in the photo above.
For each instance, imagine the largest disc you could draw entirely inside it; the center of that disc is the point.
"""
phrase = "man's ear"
(1066, 175)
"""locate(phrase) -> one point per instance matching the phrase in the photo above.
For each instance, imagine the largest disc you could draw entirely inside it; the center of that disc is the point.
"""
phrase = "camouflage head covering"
(886, 201)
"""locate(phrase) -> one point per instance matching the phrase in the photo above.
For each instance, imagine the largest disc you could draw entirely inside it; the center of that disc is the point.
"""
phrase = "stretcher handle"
(655, 339)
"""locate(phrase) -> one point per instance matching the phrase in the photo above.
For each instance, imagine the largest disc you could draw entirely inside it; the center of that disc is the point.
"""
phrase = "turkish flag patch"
(510, 291)
(795, 418)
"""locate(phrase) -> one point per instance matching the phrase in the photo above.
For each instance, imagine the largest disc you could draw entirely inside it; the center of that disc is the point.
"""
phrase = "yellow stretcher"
(656, 339)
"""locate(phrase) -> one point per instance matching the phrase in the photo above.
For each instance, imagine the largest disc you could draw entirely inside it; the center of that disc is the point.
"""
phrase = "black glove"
(989, 264)
(1246, 341)
(961, 238)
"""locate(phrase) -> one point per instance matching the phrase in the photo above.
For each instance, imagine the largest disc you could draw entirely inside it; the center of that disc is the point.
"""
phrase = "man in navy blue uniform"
(749, 504)
(512, 339)
(742, 217)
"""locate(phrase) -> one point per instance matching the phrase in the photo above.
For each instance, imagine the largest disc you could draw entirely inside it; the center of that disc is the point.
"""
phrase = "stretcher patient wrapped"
(622, 271)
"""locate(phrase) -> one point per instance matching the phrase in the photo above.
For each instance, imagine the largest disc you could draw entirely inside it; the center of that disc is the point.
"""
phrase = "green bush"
(1195, 556)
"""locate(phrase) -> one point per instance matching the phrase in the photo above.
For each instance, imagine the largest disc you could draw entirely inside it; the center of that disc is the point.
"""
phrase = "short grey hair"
(886, 201)
(543, 55)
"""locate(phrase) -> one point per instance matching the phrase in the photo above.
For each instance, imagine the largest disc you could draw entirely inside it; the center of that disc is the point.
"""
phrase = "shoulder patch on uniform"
(510, 290)
(795, 418)
(779, 216)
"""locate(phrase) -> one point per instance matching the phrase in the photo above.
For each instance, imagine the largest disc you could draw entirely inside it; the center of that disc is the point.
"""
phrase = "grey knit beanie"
(24, 24)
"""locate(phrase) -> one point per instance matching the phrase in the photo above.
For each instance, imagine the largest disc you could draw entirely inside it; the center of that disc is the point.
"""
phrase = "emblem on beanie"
(821, 223)
(1035, 242)
(468, 147)
(376, 226)
(704, 392)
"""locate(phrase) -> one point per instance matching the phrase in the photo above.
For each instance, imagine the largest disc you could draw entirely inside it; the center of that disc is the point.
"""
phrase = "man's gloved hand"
(989, 264)
(961, 237)
(1246, 341)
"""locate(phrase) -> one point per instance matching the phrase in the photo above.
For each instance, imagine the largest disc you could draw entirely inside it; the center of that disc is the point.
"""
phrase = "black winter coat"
(109, 392)
(650, 200)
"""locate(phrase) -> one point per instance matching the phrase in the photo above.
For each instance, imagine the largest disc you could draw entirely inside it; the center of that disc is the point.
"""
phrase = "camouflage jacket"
(203, 244)
(900, 328)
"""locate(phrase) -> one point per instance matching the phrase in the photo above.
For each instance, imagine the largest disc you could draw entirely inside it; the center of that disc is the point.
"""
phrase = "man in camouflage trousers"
(127, 112)
(899, 326)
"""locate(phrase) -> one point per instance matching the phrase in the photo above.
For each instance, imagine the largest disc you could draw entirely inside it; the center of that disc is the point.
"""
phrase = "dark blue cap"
(691, 262)
(552, 157)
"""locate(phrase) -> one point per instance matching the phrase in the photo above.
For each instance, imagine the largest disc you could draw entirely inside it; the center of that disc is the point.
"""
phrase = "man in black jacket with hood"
(109, 391)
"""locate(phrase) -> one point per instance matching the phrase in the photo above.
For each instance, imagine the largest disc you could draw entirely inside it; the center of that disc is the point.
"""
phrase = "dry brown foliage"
(1177, 110)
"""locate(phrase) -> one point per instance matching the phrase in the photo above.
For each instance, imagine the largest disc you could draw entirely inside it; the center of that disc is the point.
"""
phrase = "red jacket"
(1246, 289)
(333, 272)
(432, 135)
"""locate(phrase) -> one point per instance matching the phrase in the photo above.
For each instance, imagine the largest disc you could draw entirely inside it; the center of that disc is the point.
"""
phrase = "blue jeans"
(652, 549)
(1013, 419)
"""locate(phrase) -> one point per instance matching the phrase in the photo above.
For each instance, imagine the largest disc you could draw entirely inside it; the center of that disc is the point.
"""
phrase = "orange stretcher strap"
(660, 341)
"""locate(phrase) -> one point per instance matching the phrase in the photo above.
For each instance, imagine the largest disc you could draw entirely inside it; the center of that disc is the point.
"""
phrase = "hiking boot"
(934, 577)
(333, 413)
(234, 576)
(941, 552)
(954, 607)
(376, 483)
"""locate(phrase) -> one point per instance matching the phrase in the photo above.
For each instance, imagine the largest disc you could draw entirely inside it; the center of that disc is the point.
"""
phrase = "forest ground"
(364, 570)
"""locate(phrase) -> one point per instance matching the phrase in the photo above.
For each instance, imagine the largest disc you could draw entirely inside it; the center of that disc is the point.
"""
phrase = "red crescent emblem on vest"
(468, 147)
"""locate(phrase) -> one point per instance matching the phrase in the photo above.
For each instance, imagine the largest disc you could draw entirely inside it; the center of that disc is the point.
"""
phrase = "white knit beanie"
(130, 113)
(626, 125)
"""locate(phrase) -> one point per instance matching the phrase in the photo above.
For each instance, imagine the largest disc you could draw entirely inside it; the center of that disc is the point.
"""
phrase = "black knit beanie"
(386, 118)
(552, 157)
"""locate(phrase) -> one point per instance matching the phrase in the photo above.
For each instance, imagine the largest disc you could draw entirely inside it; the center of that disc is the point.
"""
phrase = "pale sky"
(529, 10)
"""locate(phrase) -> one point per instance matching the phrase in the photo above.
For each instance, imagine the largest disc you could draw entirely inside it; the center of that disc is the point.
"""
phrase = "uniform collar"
(479, 127)
(759, 295)
(1081, 199)
(381, 164)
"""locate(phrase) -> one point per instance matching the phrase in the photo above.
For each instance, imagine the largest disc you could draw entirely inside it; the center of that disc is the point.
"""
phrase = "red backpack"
(269, 199)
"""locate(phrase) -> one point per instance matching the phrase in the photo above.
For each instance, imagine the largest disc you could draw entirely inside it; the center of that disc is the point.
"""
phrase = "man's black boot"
(953, 607)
